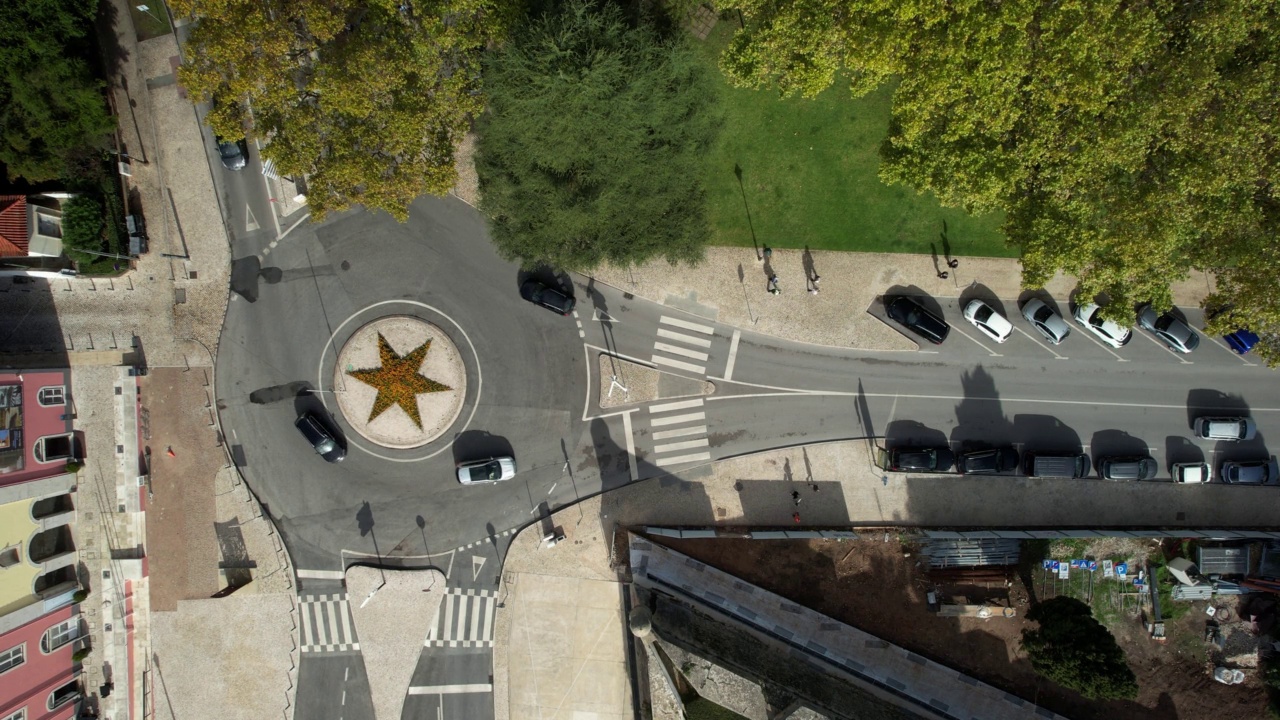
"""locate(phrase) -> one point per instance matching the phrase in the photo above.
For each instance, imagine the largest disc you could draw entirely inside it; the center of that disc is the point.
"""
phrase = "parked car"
(323, 440)
(988, 462)
(1225, 428)
(1242, 341)
(1043, 318)
(547, 296)
(922, 459)
(1128, 467)
(1171, 331)
(1056, 465)
(1108, 331)
(489, 470)
(1250, 472)
(917, 319)
(1192, 473)
(234, 153)
(985, 318)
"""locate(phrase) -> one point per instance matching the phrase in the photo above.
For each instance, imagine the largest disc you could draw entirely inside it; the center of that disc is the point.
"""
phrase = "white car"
(1090, 317)
(1195, 473)
(986, 319)
(490, 470)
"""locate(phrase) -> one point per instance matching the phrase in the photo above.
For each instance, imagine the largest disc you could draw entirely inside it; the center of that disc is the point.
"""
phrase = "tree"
(51, 105)
(82, 225)
(592, 146)
(1126, 143)
(1074, 650)
(367, 98)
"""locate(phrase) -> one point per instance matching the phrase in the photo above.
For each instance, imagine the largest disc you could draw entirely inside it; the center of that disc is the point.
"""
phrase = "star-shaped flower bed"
(398, 381)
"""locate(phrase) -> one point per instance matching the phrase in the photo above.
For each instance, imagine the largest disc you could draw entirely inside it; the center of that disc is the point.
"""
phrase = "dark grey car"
(323, 440)
(988, 462)
(1129, 467)
(234, 153)
(1250, 472)
(921, 459)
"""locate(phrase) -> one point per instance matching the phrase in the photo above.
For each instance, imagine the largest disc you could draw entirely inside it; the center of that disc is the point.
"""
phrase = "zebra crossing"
(678, 348)
(464, 618)
(326, 624)
(678, 430)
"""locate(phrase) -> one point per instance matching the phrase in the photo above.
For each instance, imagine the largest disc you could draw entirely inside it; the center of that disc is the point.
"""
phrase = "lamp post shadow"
(737, 171)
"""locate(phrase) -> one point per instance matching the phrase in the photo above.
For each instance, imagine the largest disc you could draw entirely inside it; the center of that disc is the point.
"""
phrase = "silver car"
(1225, 428)
(1090, 317)
(1049, 323)
(490, 470)
(1171, 331)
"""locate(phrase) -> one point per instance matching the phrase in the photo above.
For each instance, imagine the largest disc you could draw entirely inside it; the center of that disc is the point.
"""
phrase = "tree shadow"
(1045, 433)
(904, 433)
(980, 418)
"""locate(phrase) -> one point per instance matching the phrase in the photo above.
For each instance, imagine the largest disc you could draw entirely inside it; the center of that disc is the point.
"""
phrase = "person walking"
(953, 263)
(795, 497)
(944, 275)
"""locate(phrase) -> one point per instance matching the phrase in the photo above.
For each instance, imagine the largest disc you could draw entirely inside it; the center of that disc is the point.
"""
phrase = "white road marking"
(1046, 347)
(603, 317)
(680, 432)
(686, 339)
(976, 342)
(659, 360)
(450, 689)
(631, 447)
(321, 574)
(704, 329)
(250, 222)
(677, 350)
(681, 405)
(1234, 354)
(1040, 401)
(1089, 334)
(477, 562)
(733, 354)
(677, 419)
(682, 459)
(685, 445)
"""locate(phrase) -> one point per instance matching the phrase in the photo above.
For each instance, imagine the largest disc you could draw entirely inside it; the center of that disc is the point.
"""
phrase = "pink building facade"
(38, 675)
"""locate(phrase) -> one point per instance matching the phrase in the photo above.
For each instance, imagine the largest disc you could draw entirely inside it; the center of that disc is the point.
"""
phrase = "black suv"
(322, 440)
(548, 297)
(917, 319)
(923, 459)
(988, 462)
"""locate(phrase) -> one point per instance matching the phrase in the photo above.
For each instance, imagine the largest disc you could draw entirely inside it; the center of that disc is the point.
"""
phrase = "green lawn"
(809, 176)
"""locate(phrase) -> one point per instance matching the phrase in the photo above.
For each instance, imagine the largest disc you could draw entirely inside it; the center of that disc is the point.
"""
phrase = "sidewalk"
(849, 284)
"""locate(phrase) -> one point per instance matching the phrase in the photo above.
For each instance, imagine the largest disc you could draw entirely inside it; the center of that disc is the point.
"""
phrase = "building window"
(10, 556)
(21, 714)
(64, 695)
(59, 635)
(52, 395)
(53, 448)
(12, 658)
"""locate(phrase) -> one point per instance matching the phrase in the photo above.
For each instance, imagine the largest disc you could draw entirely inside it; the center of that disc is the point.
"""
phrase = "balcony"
(53, 511)
(50, 546)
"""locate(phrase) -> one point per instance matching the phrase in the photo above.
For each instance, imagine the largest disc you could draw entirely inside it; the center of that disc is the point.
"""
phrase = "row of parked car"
(1006, 460)
(1167, 327)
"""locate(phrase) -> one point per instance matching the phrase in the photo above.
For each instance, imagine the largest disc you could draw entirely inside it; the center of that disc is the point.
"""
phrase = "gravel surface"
(641, 382)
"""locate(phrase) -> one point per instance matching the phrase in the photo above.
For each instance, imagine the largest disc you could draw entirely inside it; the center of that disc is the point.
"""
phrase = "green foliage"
(51, 106)
(80, 596)
(81, 654)
(74, 466)
(1127, 143)
(592, 146)
(1074, 650)
(366, 99)
(82, 226)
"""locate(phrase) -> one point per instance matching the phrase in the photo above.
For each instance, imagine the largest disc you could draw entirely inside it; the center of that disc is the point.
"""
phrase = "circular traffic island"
(400, 382)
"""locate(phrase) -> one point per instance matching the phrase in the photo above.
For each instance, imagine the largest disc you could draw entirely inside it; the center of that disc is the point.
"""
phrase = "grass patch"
(152, 23)
(809, 173)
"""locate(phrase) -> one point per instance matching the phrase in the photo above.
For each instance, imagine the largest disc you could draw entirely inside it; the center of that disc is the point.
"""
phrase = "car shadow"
(547, 275)
(1206, 401)
(1045, 433)
(1115, 443)
(909, 433)
(306, 400)
(1043, 296)
(480, 444)
(978, 291)
(1178, 449)
(924, 298)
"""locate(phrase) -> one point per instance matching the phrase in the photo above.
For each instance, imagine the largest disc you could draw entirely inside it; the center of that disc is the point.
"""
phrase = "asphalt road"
(532, 379)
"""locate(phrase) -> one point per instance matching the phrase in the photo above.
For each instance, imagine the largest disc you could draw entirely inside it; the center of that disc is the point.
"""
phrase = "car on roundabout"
(1108, 331)
(984, 317)
(323, 440)
(915, 317)
(1046, 321)
(1169, 328)
(540, 293)
(488, 470)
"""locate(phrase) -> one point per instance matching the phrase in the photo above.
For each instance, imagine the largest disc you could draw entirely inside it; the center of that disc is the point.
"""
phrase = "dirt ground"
(871, 585)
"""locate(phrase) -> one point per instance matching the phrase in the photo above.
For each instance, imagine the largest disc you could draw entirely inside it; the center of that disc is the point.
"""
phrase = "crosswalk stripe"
(659, 360)
(686, 445)
(680, 432)
(677, 350)
(704, 329)
(326, 624)
(686, 339)
(677, 419)
(681, 459)
(680, 405)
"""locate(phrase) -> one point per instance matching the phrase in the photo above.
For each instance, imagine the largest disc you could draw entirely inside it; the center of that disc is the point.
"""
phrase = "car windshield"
(229, 150)
(1165, 322)
(488, 471)
(1044, 313)
(983, 314)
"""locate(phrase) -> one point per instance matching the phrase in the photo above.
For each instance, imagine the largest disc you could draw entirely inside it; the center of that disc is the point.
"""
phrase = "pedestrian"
(813, 290)
(768, 252)
(944, 275)
(953, 263)
(815, 487)
(795, 517)
(795, 497)
(816, 278)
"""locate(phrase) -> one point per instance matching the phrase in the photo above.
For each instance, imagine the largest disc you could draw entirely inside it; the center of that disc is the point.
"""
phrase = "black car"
(922, 459)
(988, 462)
(322, 440)
(1134, 467)
(234, 153)
(548, 297)
(911, 313)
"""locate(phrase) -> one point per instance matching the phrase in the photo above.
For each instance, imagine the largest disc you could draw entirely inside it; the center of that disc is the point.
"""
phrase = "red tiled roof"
(13, 226)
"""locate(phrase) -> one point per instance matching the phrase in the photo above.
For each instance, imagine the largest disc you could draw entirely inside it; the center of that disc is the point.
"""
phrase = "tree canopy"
(51, 106)
(367, 98)
(1126, 142)
(1074, 650)
(592, 145)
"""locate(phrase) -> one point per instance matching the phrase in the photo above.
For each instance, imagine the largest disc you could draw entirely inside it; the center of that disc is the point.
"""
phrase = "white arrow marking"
(251, 222)
(477, 562)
